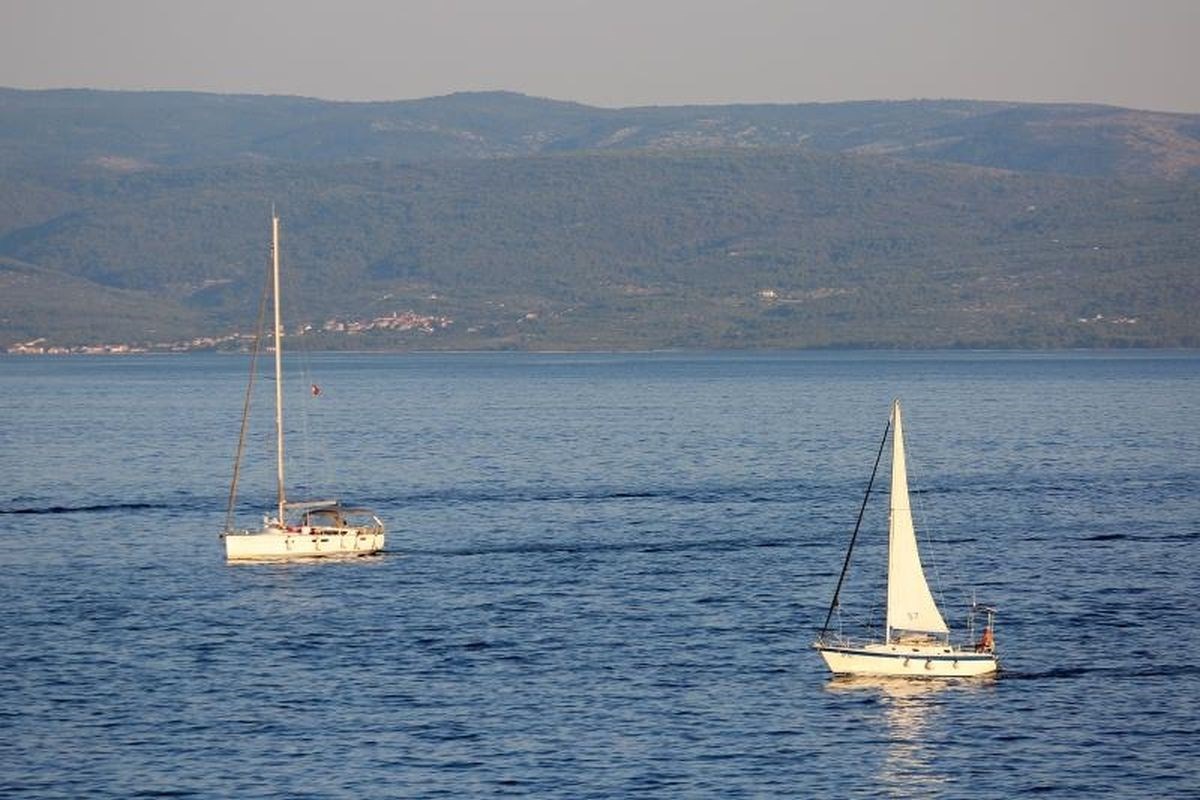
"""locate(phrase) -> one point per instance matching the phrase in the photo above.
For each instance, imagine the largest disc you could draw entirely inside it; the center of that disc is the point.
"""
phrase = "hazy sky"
(1138, 53)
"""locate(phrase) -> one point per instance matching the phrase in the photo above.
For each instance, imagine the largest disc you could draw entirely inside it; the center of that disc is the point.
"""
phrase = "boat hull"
(905, 660)
(275, 545)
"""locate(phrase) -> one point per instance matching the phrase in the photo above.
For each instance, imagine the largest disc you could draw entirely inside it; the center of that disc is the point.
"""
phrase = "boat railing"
(838, 639)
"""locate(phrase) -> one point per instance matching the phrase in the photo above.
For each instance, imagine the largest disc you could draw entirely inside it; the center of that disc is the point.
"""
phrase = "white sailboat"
(306, 529)
(916, 640)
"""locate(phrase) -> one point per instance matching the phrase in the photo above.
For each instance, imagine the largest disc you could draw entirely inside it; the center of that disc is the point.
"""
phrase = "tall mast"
(899, 479)
(278, 363)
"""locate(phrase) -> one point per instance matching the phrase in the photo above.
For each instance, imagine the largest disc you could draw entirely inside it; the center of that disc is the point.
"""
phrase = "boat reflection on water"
(914, 715)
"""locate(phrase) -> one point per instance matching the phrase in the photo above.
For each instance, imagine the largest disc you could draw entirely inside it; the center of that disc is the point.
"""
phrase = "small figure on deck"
(986, 642)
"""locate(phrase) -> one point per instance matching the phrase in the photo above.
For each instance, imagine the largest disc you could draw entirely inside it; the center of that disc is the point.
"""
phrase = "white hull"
(907, 660)
(274, 544)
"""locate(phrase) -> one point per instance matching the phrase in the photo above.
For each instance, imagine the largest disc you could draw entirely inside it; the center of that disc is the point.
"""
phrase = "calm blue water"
(603, 578)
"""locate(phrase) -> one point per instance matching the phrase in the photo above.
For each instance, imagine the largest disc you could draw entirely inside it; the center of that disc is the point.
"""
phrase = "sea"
(603, 577)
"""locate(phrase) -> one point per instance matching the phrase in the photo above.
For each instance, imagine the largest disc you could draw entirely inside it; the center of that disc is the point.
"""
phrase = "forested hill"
(498, 220)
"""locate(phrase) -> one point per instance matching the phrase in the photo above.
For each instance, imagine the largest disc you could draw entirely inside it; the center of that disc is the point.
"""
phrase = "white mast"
(278, 363)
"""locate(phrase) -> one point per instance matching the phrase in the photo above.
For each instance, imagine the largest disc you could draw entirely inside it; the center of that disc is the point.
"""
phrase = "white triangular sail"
(910, 605)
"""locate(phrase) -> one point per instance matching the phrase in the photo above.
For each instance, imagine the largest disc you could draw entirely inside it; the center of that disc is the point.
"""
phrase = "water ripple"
(600, 582)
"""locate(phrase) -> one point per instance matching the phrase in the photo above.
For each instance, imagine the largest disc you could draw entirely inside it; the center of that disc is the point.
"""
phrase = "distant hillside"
(521, 223)
(69, 129)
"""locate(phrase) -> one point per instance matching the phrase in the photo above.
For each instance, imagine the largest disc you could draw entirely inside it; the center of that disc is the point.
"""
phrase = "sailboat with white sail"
(916, 641)
(304, 529)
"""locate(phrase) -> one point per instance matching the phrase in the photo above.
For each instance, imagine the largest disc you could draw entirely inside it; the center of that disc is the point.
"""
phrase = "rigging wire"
(241, 445)
(862, 509)
(313, 464)
(925, 530)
